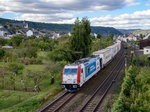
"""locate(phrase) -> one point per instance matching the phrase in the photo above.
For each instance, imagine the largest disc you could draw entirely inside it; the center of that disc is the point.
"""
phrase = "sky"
(120, 14)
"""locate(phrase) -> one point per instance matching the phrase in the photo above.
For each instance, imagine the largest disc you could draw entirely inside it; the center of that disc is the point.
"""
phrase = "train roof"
(101, 51)
(84, 60)
(112, 46)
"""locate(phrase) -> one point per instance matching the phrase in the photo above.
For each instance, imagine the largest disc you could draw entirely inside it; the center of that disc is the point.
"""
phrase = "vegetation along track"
(92, 102)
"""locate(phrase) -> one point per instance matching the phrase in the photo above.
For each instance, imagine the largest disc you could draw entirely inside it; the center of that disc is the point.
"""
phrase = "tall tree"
(80, 41)
(111, 36)
(99, 36)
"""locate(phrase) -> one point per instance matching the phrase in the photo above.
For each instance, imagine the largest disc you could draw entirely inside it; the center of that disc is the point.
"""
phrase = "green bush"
(123, 104)
(2, 53)
(15, 67)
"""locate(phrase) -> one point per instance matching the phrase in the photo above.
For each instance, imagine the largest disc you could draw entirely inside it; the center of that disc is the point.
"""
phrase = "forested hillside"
(62, 27)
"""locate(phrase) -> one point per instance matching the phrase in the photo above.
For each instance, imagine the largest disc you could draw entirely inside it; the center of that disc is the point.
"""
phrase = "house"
(29, 33)
(131, 37)
(147, 50)
(1, 33)
(22, 25)
(36, 33)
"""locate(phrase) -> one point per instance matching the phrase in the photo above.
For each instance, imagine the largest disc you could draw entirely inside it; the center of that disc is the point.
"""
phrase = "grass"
(35, 67)
(11, 98)
(21, 101)
(13, 101)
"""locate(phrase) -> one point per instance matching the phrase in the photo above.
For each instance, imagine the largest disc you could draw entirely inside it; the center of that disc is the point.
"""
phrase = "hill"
(143, 32)
(62, 27)
(134, 31)
(127, 31)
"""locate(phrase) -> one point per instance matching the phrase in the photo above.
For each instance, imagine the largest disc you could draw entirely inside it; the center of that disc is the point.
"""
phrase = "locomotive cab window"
(72, 71)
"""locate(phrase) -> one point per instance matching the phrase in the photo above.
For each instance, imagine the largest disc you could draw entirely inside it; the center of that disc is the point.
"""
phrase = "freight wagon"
(105, 55)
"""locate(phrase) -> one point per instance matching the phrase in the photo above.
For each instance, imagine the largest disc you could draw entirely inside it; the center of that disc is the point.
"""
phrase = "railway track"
(62, 100)
(92, 102)
(58, 103)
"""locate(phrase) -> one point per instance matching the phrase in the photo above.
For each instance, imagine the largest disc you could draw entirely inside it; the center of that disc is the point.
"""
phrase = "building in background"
(29, 33)
(147, 50)
(1, 33)
(144, 43)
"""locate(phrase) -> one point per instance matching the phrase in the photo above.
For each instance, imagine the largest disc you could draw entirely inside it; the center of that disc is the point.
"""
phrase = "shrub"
(2, 53)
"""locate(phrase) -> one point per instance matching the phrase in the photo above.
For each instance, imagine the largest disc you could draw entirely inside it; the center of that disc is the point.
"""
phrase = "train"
(78, 73)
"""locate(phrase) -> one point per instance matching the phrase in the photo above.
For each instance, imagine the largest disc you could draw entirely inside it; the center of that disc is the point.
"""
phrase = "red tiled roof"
(131, 35)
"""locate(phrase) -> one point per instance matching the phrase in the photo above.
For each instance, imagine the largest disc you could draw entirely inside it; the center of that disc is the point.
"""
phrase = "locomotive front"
(71, 78)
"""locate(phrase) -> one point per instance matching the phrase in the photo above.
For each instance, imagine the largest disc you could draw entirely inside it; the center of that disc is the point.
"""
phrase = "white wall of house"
(132, 38)
(1, 33)
(29, 33)
(147, 50)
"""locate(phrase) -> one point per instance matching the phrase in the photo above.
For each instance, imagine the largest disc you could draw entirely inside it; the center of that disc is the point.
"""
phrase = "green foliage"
(145, 59)
(2, 53)
(17, 39)
(29, 49)
(119, 104)
(141, 37)
(134, 61)
(135, 92)
(15, 67)
(105, 42)
(32, 37)
(43, 45)
(10, 56)
(80, 41)
(2, 41)
(45, 38)
(111, 36)
(32, 52)
(15, 27)
(124, 100)
(29, 61)
(99, 36)
(61, 53)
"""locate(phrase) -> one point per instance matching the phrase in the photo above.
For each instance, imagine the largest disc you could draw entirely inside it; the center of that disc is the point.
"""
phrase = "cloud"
(147, 4)
(62, 11)
(46, 18)
(132, 2)
(60, 6)
(138, 19)
(56, 10)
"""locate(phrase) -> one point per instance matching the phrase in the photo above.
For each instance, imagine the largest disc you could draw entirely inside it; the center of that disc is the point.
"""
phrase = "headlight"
(63, 86)
(74, 86)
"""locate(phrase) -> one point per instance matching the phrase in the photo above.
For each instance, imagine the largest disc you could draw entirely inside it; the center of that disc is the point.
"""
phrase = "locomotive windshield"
(72, 71)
